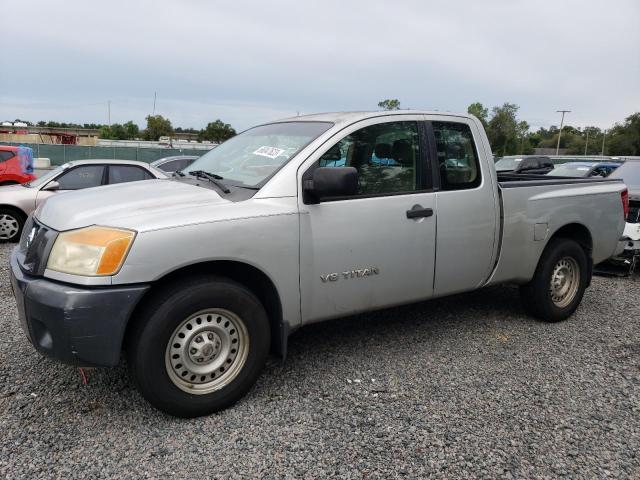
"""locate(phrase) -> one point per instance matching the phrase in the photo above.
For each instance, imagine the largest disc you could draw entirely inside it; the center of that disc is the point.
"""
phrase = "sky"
(250, 62)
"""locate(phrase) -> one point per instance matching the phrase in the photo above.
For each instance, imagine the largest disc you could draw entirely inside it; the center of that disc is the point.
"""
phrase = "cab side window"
(86, 176)
(386, 156)
(457, 156)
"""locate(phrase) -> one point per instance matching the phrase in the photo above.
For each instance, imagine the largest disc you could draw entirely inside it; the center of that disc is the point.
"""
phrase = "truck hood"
(144, 205)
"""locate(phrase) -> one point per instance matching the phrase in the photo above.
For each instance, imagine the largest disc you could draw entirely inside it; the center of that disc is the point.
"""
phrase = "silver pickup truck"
(302, 220)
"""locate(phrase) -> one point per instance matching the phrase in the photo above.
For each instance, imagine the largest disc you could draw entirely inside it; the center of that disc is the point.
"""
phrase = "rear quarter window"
(457, 156)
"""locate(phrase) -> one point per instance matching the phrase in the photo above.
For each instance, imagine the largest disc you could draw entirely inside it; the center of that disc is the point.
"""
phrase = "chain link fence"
(59, 154)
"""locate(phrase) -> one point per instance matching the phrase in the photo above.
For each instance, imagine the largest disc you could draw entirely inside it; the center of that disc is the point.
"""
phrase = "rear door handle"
(418, 212)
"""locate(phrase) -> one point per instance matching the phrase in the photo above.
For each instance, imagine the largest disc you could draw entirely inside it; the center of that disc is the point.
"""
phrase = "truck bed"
(533, 207)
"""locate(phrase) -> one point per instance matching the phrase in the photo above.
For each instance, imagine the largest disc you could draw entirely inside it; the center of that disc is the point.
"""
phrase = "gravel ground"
(462, 387)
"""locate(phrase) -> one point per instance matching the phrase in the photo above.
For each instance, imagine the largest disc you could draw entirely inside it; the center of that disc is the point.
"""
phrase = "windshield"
(47, 176)
(507, 163)
(251, 157)
(565, 170)
(629, 171)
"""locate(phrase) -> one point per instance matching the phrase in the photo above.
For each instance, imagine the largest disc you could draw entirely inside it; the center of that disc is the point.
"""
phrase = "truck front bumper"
(75, 325)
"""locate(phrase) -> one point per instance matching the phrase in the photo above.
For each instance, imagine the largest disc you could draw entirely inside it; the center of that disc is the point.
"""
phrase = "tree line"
(509, 135)
(157, 126)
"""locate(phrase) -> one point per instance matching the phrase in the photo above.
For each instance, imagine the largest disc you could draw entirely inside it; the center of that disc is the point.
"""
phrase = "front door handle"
(418, 212)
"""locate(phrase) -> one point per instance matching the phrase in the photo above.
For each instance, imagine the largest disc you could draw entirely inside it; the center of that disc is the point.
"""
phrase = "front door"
(75, 178)
(376, 248)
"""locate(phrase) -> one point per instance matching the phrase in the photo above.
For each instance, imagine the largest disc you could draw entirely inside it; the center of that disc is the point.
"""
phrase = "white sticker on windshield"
(271, 152)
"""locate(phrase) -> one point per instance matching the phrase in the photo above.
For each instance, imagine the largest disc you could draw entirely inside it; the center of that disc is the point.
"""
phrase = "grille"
(35, 244)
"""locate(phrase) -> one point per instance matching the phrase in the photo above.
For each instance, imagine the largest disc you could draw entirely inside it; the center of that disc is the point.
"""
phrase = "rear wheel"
(559, 282)
(11, 223)
(198, 346)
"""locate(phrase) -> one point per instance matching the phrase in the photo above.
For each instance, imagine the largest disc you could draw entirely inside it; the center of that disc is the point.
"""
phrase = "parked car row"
(559, 167)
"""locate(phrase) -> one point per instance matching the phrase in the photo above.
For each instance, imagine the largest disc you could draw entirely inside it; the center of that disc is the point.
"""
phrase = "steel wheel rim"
(207, 351)
(565, 280)
(9, 226)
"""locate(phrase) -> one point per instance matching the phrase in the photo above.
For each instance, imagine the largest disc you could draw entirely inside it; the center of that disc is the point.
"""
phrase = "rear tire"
(559, 282)
(11, 224)
(198, 346)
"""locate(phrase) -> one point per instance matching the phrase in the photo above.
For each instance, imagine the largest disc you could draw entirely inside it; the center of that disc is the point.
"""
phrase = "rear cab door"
(467, 204)
(364, 252)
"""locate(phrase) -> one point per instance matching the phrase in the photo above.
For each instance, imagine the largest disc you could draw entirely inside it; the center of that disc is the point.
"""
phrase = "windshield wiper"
(177, 173)
(212, 177)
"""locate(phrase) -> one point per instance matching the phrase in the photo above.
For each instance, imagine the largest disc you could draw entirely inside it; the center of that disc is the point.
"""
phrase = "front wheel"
(557, 287)
(11, 223)
(198, 346)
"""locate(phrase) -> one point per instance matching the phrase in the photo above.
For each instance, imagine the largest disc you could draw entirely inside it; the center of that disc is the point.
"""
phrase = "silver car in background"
(175, 163)
(18, 201)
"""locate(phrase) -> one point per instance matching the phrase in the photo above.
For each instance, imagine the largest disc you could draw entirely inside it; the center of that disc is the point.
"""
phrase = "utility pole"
(154, 103)
(586, 144)
(109, 112)
(604, 136)
(561, 124)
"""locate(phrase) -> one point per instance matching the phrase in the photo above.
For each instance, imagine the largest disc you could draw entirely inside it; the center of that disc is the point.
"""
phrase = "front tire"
(198, 346)
(11, 224)
(557, 287)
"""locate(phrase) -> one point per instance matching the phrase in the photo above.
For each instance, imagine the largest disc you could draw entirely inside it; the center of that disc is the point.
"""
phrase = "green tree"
(522, 131)
(217, 131)
(116, 131)
(389, 104)
(479, 111)
(105, 132)
(157, 126)
(624, 139)
(131, 130)
(503, 129)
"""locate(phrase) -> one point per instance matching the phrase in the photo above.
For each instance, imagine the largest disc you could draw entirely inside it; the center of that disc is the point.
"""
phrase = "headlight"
(90, 251)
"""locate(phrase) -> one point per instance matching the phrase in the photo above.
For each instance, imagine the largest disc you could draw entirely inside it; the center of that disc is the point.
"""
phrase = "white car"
(18, 201)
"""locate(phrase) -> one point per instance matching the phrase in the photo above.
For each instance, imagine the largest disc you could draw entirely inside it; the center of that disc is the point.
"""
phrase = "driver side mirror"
(330, 182)
(51, 186)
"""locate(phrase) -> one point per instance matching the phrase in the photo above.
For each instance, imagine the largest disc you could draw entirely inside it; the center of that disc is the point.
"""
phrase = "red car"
(16, 165)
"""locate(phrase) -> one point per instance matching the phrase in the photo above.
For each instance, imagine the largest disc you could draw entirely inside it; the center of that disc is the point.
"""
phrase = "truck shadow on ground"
(500, 304)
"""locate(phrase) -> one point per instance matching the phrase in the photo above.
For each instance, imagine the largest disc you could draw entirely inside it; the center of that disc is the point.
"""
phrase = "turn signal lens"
(91, 251)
